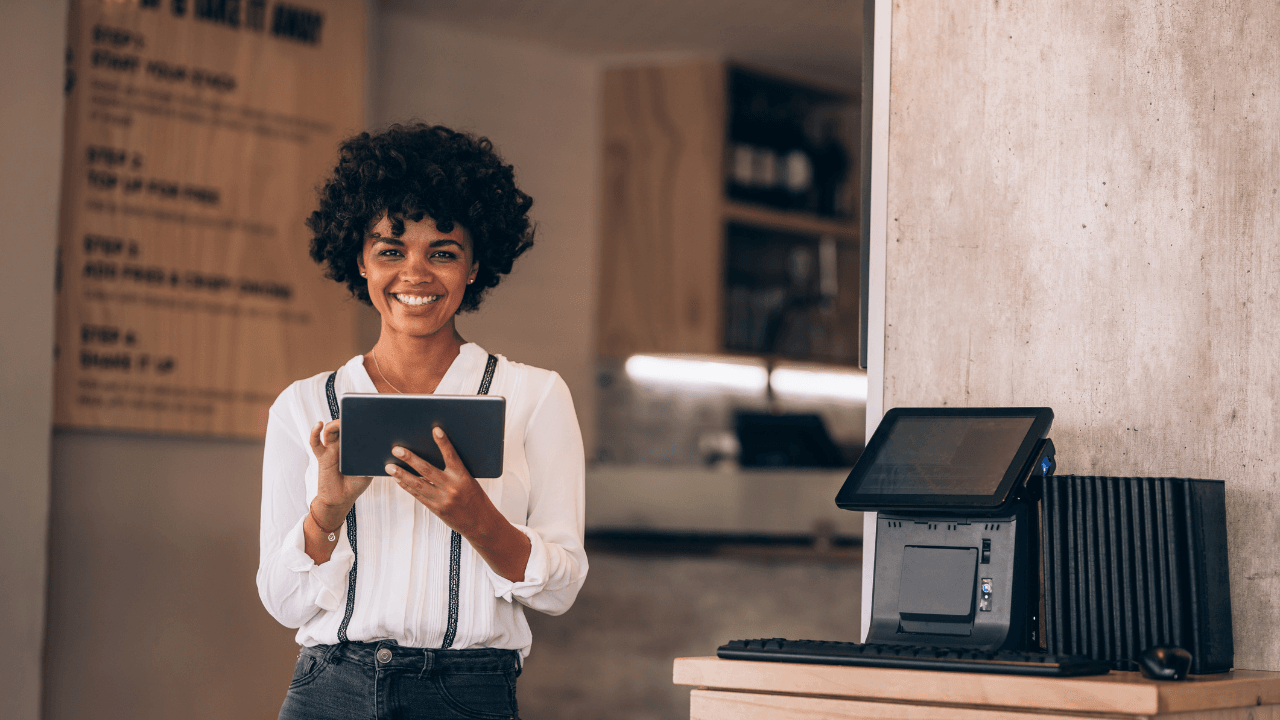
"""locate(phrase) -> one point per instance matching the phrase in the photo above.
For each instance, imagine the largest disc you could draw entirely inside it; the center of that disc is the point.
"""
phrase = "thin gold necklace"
(380, 373)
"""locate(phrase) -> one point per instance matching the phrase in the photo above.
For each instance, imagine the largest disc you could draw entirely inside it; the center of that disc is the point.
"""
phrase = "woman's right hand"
(335, 493)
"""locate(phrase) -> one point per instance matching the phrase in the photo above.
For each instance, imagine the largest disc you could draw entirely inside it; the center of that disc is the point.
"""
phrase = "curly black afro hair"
(414, 172)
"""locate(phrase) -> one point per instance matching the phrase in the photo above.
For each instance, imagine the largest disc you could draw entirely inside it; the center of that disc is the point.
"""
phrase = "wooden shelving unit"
(666, 215)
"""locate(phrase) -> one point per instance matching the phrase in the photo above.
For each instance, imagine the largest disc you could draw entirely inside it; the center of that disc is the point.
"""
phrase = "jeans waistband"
(389, 655)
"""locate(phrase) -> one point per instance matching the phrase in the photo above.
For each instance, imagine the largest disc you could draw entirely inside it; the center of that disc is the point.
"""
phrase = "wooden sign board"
(197, 132)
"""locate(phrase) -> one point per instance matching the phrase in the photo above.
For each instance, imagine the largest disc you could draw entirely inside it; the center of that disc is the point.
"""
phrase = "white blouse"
(402, 586)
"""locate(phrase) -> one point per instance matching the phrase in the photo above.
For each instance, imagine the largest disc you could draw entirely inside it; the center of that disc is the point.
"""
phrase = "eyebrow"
(393, 240)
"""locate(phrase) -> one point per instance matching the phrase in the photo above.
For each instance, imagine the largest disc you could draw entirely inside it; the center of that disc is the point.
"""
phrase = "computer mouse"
(1165, 663)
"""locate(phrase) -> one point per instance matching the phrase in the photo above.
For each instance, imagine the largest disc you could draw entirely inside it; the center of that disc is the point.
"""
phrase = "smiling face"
(417, 280)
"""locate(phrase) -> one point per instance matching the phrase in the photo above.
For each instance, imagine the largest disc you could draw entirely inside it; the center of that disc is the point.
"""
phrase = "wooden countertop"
(1126, 693)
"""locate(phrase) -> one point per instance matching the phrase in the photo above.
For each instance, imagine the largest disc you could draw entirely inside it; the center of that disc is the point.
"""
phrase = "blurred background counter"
(683, 559)
(746, 504)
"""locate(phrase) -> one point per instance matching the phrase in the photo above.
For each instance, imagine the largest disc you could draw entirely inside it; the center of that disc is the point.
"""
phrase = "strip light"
(831, 384)
(743, 376)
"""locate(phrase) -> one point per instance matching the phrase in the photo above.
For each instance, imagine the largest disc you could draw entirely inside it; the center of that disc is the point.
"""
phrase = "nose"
(417, 269)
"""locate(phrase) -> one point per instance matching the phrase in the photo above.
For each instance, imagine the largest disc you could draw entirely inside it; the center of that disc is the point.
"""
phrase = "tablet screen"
(944, 457)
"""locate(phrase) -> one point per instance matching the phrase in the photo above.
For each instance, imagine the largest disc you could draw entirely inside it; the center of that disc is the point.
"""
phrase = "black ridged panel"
(1193, 579)
(1091, 588)
(1114, 600)
(1130, 563)
(1050, 534)
(1176, 543)
(1105, 596)
(1074, 618)
(1217, 646)
(1155, 588)
(1128, 584)
(1164, 628)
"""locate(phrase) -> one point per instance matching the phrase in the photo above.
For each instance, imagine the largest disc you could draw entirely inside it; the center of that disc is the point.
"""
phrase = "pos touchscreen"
(947, 459)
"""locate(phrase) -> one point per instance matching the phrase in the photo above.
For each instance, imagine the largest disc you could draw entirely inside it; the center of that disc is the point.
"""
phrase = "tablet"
(374, 423)
(945, 458)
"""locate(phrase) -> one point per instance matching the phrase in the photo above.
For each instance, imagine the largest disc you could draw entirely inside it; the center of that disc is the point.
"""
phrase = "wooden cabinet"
(662, 228)
(667, 225)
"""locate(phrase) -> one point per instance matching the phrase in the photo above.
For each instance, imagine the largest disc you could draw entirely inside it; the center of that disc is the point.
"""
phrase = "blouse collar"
(462, 377)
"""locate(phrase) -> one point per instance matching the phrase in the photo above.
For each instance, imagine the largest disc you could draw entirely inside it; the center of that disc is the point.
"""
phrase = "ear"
(360, 262)
(475, 269)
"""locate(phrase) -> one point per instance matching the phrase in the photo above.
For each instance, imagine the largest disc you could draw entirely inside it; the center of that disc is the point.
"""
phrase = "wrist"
(327, 516)
(488, 527)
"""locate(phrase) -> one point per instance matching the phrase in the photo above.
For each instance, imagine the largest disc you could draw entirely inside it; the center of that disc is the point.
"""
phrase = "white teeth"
(417, 299)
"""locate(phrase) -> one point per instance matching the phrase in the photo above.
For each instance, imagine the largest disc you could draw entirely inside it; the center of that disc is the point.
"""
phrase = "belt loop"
(428, 664)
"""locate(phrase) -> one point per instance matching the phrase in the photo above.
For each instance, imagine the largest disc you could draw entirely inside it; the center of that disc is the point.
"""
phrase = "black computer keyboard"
(911, 657)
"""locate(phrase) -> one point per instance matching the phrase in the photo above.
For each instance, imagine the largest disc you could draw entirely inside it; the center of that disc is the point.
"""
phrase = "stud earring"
(362, 275)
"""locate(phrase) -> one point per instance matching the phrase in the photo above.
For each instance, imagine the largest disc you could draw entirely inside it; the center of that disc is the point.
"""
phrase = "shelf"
(833, 91)
(791, 221)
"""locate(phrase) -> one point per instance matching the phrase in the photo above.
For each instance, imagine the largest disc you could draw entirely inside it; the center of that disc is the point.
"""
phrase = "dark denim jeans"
(383, 681)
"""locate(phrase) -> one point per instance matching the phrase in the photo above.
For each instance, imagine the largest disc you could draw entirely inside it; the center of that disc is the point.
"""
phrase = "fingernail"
(397, 451)
(391, 469)
(438, 432)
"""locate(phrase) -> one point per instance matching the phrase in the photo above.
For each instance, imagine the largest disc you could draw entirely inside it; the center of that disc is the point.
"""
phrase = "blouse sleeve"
(557, 563)
(293, 588)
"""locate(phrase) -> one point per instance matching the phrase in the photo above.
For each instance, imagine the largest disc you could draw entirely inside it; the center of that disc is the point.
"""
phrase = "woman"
(407, 591)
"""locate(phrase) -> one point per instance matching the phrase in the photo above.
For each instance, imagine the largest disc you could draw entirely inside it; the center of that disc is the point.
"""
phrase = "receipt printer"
(957, 528)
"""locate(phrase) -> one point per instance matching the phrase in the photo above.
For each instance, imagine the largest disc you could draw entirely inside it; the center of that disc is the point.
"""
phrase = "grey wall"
(33, 36)
(153, 610)
(1082, 214)
(540, 108)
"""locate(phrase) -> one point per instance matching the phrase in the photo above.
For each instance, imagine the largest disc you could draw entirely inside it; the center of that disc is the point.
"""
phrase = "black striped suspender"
(351, 527)
(455, 540)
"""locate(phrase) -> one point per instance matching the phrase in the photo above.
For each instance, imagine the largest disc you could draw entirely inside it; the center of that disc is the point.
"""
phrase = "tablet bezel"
(848, 498)
(474, 424)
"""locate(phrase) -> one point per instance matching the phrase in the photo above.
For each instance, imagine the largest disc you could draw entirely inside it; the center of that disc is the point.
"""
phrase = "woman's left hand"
(451, 493)
(456, 498)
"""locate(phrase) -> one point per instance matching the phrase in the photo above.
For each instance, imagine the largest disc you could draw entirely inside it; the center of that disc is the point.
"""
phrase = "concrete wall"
(539, 107)
(1082, 214)
(33, 36)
